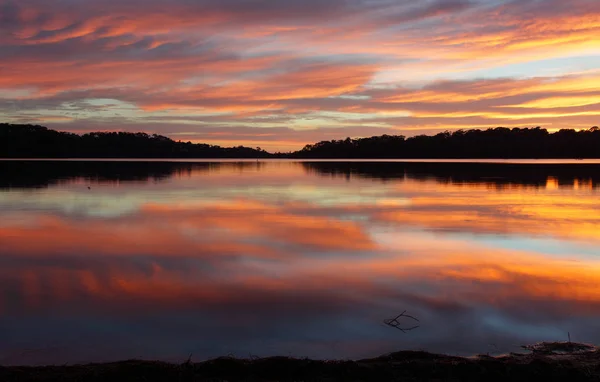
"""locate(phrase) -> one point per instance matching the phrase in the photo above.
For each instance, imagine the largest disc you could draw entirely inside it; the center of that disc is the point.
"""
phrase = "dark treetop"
(28, 141)
(495, 143)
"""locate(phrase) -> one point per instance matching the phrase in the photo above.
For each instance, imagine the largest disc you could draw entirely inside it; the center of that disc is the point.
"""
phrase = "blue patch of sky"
(539, 68)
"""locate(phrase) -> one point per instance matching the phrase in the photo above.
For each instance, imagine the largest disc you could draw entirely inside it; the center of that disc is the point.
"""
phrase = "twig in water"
(394, 323)
(189, 360)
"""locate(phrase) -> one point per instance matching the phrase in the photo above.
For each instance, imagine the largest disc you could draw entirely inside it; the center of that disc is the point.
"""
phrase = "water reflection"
(39, 174)
(163, 260)
(496, 175)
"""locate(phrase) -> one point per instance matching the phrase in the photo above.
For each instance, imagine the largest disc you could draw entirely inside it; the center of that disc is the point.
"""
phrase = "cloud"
(308, 64)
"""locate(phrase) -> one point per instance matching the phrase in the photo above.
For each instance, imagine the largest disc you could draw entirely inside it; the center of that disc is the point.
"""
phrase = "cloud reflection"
(210, 272)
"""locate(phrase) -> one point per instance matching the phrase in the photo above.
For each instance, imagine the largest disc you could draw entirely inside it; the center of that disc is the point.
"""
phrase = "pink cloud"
(272, 63)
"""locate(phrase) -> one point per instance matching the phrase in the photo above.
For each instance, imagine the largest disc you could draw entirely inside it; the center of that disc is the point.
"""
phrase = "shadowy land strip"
(545, 362)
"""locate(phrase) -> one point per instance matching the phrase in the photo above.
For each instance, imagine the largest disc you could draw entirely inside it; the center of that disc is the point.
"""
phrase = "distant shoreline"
(541, 161)
(33, 141)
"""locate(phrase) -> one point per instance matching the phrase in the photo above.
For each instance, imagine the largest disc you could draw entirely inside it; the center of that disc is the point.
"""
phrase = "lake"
(111, 260)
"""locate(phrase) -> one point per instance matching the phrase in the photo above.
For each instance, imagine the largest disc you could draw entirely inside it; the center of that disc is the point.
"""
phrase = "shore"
(543, 362)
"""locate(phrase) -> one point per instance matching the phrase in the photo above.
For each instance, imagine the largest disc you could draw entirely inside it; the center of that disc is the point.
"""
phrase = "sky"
(283, 73)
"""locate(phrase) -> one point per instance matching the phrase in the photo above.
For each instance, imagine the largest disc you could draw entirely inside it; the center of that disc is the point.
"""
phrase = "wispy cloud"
(404, 66)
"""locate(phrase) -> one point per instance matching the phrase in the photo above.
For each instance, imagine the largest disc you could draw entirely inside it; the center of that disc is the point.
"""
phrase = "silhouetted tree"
(32, 141)
(500, 142)
(21, 141)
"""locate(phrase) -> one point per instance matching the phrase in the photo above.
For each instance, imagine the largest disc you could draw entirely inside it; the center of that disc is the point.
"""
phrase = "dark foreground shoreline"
(400, 366)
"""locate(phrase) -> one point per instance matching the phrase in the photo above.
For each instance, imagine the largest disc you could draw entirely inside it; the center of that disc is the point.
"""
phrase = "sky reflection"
(291, 259)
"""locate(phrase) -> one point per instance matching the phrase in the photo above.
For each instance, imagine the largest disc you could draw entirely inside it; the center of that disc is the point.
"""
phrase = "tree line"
(494, 143)
(32, 141)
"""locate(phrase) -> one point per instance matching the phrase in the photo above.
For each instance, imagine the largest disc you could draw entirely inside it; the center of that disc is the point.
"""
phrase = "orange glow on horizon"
(241, 70)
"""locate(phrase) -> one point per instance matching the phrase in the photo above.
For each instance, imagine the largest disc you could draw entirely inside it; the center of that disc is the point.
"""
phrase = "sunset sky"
(282, 73)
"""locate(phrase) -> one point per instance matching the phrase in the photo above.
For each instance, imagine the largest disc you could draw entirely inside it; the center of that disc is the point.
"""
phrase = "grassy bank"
(546, 363)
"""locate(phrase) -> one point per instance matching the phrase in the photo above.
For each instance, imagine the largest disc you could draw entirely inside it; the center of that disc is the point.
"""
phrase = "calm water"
(160, 260)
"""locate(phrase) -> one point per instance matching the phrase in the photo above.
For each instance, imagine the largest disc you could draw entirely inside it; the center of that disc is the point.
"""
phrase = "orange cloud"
(337, 65)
